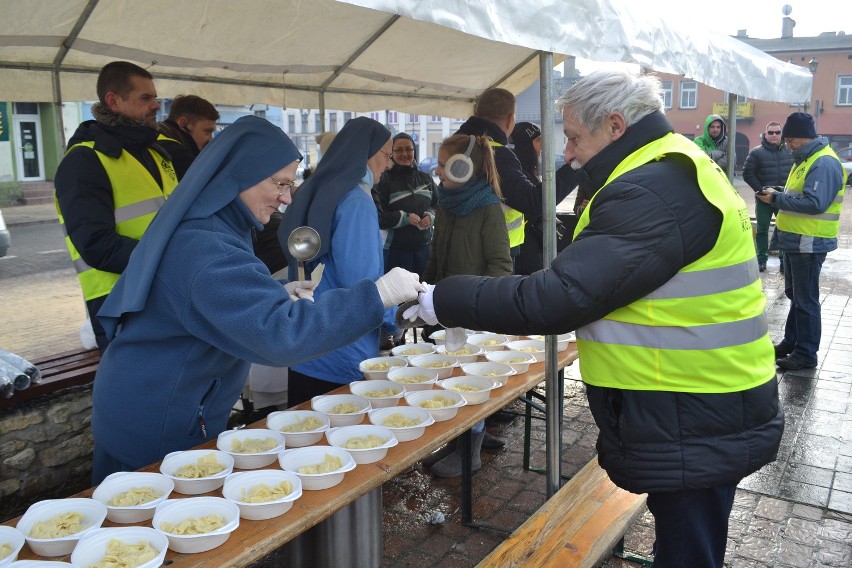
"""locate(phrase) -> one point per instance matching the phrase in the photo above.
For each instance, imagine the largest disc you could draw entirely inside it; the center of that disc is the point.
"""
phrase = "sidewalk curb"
(32, 222)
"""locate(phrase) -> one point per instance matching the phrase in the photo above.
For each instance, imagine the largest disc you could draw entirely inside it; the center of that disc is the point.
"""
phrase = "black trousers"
(302, 388)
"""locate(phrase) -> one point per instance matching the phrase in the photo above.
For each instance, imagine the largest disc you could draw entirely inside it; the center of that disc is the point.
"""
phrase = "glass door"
(28, 151)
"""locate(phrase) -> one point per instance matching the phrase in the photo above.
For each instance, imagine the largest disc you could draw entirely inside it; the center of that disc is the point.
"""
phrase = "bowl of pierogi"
(197, 471)
(300, 427)
(262, 494)
(380, 393)
(366, 443)
(406, 422)
(141, 547)
(414, 378)
(341, 409)
(441, 404)
(11, 542)
(196, 524)
(319, 467)
(132, 496)
(251, 448)
(52, 527)
(376, 368)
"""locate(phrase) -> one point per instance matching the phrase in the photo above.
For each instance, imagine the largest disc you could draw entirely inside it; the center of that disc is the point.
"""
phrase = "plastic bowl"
(483, 384)
(532, 346)
(283, 418)
(400, 376)
(380, 374)
(325, 403)
(444, 364)
(93, 546)
(362, 388)
(40, 564)
(251, 460)
(562, 340)
(440, 336)
(412, 349)
(467, 354)
(15, 539)
(403, 433)
(416, 399)
(292, 460)
(338, 437)
(520, 361)
(497, 372)
(245, 480)
(123, 481)
(94, 513)
(175, 511)
(488, 341)
(176, 460)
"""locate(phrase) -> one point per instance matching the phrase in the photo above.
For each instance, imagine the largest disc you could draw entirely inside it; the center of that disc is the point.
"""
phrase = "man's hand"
(398, 286)
(765, 194)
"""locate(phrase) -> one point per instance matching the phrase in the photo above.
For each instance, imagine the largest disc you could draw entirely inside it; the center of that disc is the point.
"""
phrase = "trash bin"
(350, 538)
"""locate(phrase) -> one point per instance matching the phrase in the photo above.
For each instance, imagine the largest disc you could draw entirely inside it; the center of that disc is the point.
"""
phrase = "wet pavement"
(795, 512)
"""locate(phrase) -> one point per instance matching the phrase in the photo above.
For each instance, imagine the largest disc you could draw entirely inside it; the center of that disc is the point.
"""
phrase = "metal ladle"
(304, 244)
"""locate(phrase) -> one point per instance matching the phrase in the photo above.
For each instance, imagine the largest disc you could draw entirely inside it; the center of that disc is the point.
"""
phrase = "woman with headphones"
(470, 238)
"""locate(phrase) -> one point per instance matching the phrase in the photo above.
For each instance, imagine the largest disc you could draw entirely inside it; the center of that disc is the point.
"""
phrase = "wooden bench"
(60, 371)
(579, 526)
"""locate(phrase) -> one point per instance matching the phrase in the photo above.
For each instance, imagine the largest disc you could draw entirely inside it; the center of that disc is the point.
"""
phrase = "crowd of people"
(660, 282)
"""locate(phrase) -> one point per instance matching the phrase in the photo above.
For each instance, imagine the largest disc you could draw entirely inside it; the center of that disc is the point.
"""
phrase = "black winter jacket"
(403, 190)
(84, 191)
(183, 150)
(643, 228)
(767, 164)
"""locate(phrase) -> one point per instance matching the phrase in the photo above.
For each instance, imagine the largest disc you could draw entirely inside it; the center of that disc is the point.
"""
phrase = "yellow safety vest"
(137, 198)
(702, 331)
(826, 224)
(514, 219)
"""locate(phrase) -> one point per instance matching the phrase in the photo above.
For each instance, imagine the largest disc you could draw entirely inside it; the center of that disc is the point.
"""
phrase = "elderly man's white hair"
(596, 96)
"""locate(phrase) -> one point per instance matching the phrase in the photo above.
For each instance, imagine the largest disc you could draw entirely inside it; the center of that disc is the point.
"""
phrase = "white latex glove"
(424, 309)
(398, 286)
(300, 290)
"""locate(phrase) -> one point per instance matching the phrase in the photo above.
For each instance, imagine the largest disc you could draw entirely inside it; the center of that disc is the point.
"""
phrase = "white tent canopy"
(428, 56)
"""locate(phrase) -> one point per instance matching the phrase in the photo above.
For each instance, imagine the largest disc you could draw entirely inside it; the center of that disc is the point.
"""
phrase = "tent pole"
(732, 135)
(553, 410)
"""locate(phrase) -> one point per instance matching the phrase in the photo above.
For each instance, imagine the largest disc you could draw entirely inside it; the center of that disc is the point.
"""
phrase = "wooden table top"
(255, 539)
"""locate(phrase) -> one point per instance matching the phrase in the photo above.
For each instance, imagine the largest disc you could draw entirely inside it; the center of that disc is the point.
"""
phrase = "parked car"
(845, 156)
(429, 165)
(5, 238)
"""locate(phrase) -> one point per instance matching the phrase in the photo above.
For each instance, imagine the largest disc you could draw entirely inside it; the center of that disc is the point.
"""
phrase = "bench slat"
(60, 371)
(578, 526)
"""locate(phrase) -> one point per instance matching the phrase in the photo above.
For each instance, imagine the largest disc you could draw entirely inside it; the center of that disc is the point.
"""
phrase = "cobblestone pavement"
(796, 512)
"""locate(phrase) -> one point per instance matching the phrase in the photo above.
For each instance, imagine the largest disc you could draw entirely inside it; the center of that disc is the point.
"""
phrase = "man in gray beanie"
(808, 222)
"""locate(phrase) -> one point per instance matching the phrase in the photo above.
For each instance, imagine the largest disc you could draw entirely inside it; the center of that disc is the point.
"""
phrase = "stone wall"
(45, 449)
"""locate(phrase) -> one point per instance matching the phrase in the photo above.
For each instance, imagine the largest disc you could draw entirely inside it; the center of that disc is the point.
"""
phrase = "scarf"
(461, 201)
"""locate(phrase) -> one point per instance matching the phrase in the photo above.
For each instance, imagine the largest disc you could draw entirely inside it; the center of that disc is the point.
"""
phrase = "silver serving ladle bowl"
(303, 244)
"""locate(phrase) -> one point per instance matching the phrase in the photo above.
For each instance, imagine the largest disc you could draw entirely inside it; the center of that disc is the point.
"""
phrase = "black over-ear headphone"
(459, 167)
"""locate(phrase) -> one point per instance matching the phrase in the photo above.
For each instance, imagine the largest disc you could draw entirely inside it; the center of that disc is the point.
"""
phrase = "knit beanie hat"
(799, 125)
(524, 132)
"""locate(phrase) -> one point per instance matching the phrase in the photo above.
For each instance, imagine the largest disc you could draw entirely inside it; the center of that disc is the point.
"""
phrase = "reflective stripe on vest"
(514, 219)
(825, 225)
(702, 331)
(136, 196)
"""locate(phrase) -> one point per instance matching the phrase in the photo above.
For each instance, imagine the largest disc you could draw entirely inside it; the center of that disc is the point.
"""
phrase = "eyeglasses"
(404, 150)
(773, 132)
(388, 156)
(283, 185)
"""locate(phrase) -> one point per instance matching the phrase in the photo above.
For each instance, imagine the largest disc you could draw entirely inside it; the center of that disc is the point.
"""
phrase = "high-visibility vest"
(514, 219)
(702, 331)
(137, 198)
(826, 224)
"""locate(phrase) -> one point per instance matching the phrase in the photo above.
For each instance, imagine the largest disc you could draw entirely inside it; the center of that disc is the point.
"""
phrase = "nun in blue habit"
(336, 201)
(195, 306)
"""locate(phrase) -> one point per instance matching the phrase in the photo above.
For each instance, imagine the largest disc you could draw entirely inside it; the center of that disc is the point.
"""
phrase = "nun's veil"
(341, 168)
(246, 152)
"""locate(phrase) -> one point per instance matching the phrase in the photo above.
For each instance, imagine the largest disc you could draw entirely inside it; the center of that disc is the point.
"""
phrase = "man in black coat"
(766, 165)
(191, 124)
(661, 284)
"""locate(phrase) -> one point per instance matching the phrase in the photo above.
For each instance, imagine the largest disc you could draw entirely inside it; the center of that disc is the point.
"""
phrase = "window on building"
(393, 118)
(25, 108)
(347, 116)
(688, 94)
(414, 118)
(291, 123)
(317, 122)
(332, 122)
(305, 116)
(668, 87)
(434, 119)
(376, 116)
(844, 90)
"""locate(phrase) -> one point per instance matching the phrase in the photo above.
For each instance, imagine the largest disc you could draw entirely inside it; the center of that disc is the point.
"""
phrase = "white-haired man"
(661, 284)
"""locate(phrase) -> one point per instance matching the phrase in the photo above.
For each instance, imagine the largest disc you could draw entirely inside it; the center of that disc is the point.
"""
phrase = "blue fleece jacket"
(822, 184)
(355, 253)
(169, 379)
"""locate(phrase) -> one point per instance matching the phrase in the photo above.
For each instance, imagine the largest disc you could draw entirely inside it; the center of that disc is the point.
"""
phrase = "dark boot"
(490, 442)
(451, 466)
(439, 454)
